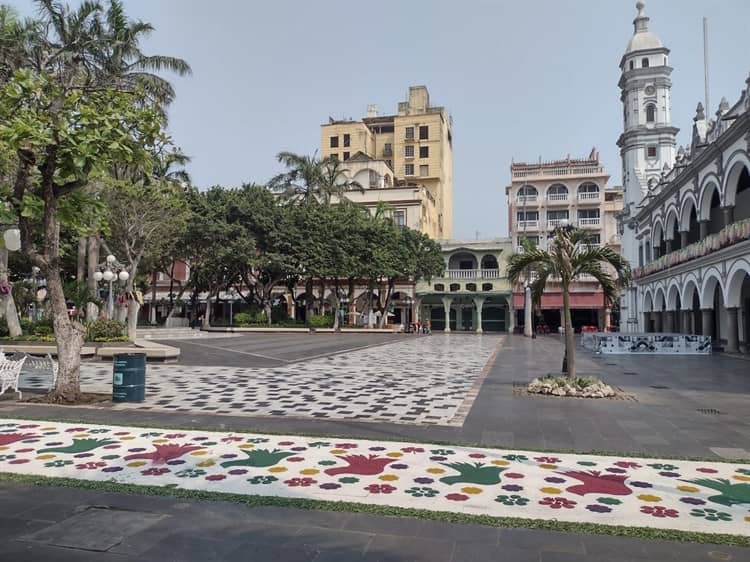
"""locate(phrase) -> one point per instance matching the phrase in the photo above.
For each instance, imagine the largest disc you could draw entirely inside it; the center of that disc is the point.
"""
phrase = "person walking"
(427, 327)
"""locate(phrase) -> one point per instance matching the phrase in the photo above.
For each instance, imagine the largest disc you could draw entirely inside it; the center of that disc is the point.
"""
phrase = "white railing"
(563, 171)
(526, 198)
(590, 246)
(588, 195)
(557, 222)
(472, 273)
(557, 197)
(591, 221)
(528, 224)
(519, 249)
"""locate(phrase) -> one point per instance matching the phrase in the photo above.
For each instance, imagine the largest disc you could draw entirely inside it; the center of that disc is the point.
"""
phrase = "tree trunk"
(308, 299)
(152, 308)
(69, 335)
(570, 348)
(352, 306)
(7, 303)
(207, 315)
(81, 264)
(133, 305)
(384, 316)
(92, 311)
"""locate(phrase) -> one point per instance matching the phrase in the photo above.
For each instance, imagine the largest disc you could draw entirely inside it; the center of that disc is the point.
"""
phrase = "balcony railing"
(588, 195)
(472, 274)
(590, 221)
(727, 236)
(559, 171)
(526, 198)
(528, 224)
(557, 222)
(557, 197)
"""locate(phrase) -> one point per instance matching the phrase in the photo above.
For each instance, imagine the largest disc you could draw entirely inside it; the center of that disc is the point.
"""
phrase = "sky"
(522, 80)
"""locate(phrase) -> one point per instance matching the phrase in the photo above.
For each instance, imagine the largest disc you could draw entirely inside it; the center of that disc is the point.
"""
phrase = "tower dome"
(642, 39)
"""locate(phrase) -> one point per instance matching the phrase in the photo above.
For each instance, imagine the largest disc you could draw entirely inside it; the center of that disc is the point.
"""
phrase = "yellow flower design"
(649, 498)
(550, 490)
(435, 470)
(501, 463)
(337, 451)
(198, 453)
(159, 440)
(309, 471)
(741, 478)
(389, 477)
(394, 455)
(277, 469)
(45, 457)
(136, 464)
(471, 490)
(687, 489)
(81, 435)
(246, 446)
(207, 462)
(548, 466)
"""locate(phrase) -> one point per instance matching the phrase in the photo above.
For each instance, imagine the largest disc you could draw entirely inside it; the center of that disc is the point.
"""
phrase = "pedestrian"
(428, 327)
(419, 326)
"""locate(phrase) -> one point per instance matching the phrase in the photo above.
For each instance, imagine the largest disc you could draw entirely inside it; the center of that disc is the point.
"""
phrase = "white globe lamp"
(110, 258)
(108, 275)
(12, 239)
(124, 276)
(98, 276)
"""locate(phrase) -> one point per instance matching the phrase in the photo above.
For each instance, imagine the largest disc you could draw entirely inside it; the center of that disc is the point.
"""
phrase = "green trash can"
(129, 377)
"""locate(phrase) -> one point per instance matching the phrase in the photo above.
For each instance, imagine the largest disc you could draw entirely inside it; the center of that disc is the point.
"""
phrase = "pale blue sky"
(521, 79)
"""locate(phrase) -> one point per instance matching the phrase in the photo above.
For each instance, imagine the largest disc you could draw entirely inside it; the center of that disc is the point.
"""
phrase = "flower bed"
(582, 387)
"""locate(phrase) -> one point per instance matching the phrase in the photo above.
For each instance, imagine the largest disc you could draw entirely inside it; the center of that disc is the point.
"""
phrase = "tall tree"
(569, 256)
(309, 179)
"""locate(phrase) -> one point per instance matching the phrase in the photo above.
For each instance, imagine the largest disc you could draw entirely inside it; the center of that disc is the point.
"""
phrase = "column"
(416, 309)
(511, 315)
(683, 239)
(707, 322)
(459, 317)
(646, 322)
(657, 321)
(733, 342)
(607, 318)
(527, 319)
(727, 215)
(669, 246)
(703, 229)
(479, 303)
(447, 308)
(686, 321)
(669, 322)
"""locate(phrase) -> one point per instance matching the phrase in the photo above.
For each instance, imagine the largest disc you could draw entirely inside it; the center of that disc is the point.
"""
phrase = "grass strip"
(506, 522)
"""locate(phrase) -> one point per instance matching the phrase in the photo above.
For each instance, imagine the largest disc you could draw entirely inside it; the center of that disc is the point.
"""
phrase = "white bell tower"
(648, 139)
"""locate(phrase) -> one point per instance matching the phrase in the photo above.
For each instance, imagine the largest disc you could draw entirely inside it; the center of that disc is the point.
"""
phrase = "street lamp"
(110, 270)
(232, 294)
(12, 239)
(344, 306)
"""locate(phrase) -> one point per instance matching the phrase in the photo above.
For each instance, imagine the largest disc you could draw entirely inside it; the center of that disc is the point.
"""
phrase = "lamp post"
(110, 270)
(232, 294)
(344, 306)
(12, 243)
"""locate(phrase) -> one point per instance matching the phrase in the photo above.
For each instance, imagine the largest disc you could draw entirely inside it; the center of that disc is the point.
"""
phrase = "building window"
(650, 113)
(346, 156)
(424, 151)
(455, 287)
(347, 140)
(333, 156)
(527, 216)
(423, 132)
(486, 286)
(409, 151)
(410, 133)
(389, 163)
(334, 142)
(650, 152)
(644, 63)
(632, 64)
(399, 218)
(471, 286)
(409, 169)
(387, 149)
(424, 170)
(439, 287)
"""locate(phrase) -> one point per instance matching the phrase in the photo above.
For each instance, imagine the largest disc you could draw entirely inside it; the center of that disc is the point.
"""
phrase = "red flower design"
(303, 482)
(558, 502)
(346, 445)
(413, 450)
(457, 497)
(90, 465)
(295, 459)
(75, 429)
(215, 477)
(155, 471)
(707, 470)
(172, 435)
(513, 475)
(286, 443)
(477, 456)
(659, 511)
(627, 464)
(380, 488)
(547, 460)
(230, 439)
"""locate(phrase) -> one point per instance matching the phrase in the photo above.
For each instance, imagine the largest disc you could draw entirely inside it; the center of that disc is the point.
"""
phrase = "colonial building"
(404, 160)
(473, 294)
(544, 195)
(687, 219)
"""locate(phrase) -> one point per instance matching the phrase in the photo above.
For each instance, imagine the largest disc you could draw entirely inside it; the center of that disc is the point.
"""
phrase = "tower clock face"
(650, 90)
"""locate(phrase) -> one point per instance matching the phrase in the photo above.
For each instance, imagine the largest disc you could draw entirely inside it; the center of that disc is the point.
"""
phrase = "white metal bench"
(44, 363)
(10, 370)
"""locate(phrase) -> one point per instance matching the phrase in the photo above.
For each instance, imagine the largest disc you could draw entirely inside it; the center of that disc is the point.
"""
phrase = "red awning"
(554, 301)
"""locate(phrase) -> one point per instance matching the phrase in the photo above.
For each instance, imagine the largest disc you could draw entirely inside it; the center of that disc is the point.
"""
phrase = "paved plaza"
(681, 406)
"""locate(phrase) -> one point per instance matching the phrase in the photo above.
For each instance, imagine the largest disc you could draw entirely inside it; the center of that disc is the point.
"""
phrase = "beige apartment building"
(403, 160)
(543, 195)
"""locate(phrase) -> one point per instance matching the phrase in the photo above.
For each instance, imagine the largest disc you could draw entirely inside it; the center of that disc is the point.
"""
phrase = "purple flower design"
(615, 470)
(641, 484)
(330, 486)
(554, 479)
(377, 449)
(199, 438)
(670, 474)
(112, 469)
(53, 443)
(399, 466)
(438, 458)
(512, 487)
(299, 449)
(423, 480)
(176, 462)
(136, 450)
(692, 501)
(238, 471)
(83, 455)
(228, 456)
(596, 508)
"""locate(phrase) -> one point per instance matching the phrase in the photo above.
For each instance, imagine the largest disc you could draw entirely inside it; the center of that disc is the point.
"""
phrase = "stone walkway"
(420, 381)
(667, 494)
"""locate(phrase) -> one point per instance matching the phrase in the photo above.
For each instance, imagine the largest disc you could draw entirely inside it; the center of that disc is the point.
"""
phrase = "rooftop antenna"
(705, 59)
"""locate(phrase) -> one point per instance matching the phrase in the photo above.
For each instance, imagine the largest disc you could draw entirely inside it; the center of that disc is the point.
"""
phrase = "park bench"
(10, 370)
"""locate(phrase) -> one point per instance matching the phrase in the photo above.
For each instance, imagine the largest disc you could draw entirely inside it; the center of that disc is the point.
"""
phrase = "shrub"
(242, 319)
(27, 326)
(105, 330)
(320, 321)
(43, 328)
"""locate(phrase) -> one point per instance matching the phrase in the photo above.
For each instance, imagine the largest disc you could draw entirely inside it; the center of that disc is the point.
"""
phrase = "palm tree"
(310, 179)
(569, 256)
